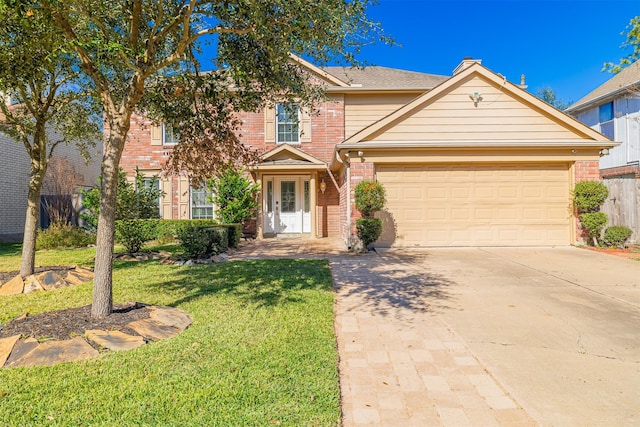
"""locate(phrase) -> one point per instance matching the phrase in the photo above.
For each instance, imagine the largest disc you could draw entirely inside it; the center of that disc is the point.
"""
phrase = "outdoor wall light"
(476, 97)
(360, 153)
(604, 152)
(323, 186)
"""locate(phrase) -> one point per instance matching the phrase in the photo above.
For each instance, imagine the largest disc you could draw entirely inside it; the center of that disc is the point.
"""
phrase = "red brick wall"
(621, 170)
(360, 171)
(586, 170)
(327, 130)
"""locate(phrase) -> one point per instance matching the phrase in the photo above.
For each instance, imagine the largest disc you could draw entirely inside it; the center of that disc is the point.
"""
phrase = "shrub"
(199, 242)
(369, 230)
(370, 197)
(594, 222)
(616, 235)
(60, 235)
(589, 195)
(133, 234)
(234, 196)
(134, 200)
(235, 234)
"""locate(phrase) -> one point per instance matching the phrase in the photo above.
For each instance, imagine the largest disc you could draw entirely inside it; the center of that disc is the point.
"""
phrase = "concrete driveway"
(558, 328)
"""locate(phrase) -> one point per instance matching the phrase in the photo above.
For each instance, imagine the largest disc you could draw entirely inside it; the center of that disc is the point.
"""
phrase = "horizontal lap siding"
(496, 117)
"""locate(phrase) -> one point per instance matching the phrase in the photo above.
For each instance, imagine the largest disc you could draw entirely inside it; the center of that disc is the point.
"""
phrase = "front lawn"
(260, 351)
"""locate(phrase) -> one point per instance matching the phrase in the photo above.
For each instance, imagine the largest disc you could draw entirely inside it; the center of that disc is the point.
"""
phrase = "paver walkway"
(399, 364)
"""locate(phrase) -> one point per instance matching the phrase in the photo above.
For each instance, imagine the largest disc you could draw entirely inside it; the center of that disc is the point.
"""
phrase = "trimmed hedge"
(617, 235)
(133, 233)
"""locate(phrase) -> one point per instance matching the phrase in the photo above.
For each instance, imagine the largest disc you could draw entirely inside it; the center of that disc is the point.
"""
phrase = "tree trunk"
(27, 263)
(39, 162)
(102, 305)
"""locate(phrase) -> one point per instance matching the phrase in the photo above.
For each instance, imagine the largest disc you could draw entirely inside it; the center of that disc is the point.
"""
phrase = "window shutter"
(166, 210)
(183, 197)
(305, 125)
(156, 135)
(269, 124)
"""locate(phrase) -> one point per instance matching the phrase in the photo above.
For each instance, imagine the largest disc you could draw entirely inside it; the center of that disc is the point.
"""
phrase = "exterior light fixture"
(476, 97)
(323, 186)
(604, 152)
(360, 153)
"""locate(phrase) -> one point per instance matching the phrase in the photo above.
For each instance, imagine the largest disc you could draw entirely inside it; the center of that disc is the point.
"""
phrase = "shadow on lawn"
(258, 283)
(391, 280)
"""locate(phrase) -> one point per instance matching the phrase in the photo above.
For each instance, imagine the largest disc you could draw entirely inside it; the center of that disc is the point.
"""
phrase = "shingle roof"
(376, 77)
(624, 79)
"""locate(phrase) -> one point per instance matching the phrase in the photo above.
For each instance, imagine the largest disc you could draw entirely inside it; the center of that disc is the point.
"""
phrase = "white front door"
(286, 205)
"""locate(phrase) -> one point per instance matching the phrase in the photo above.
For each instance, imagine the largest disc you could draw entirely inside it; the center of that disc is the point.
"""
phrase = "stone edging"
(46, 281)
(163, 322)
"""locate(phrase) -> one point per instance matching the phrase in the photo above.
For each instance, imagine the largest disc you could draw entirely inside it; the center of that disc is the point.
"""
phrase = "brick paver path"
(399, 364)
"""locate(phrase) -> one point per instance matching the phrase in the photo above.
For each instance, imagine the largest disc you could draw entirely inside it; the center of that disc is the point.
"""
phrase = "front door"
(286, 205)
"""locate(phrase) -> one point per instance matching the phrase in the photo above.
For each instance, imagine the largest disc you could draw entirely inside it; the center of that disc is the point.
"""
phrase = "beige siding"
(497, 117)
(476, 205)
(362, 110)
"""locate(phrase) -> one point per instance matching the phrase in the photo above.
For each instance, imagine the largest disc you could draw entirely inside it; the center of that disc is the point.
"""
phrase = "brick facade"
(327, 130)
(620, 171)
(586, 170)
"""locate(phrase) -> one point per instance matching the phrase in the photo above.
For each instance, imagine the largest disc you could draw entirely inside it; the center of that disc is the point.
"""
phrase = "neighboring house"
(469, 159)
(614, 110)
(14, 181)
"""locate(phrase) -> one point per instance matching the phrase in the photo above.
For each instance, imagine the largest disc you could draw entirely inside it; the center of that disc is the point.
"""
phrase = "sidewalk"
(399, 364)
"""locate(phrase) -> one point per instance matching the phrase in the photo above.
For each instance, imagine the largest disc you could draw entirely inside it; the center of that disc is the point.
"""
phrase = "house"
(613, 108)
(467, 160)
(14, 182)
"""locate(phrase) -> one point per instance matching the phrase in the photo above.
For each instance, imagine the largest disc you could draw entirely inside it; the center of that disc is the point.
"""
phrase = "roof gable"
(503, 111)
(319, 72)
(287, 155)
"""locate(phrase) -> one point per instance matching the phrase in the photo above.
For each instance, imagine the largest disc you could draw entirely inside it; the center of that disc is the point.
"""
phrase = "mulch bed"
(632, 251)
(65, 324)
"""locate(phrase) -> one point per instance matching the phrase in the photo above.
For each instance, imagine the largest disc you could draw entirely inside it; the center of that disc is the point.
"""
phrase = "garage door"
(476, 205)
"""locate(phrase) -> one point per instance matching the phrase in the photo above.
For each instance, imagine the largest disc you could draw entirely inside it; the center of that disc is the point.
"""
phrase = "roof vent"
(466, 63)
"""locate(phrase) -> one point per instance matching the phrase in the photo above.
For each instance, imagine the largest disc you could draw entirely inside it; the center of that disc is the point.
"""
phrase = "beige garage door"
(476, 205)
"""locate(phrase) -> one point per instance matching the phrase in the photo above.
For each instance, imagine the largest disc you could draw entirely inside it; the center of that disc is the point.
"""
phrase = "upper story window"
(605, 114)
(169, 137)
(287, 123)
(201, 205)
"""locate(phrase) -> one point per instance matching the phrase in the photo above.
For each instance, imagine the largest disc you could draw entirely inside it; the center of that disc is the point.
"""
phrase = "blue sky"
(560, 44)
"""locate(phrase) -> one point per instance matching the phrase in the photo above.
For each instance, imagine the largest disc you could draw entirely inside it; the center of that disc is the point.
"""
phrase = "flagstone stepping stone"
(171, 316)
(31, 284)
(13, 287)
(115, 340)
(51, 280)
(20, 349)
(6, 346)
(53, 352)
(153, 329)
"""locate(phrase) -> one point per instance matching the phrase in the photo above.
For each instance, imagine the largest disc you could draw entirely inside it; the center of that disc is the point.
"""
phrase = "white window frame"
(297, 124)
(206, 205)
(168, 130)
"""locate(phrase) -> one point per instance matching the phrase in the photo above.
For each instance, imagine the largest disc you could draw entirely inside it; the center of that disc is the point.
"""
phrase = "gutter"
(600, 98)
(477, 145)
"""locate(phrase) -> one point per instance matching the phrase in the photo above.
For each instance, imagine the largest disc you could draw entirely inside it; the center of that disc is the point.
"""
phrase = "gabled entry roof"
(289, 158)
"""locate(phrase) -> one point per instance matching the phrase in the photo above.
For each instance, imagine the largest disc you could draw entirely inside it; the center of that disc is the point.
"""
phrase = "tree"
(140, 56)
(632, 33)
(47, 109)
(234, 196)
(549, 96)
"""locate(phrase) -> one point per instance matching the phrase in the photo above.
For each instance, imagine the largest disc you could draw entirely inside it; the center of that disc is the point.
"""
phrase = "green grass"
(260, 351)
